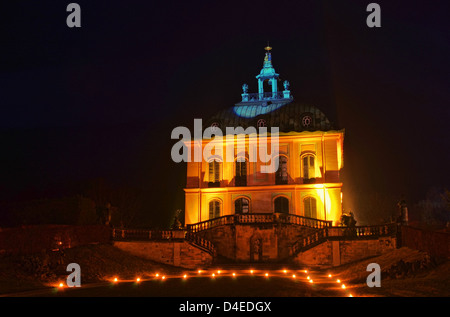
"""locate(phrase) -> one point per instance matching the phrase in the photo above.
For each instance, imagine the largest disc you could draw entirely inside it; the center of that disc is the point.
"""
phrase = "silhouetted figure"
(348, 220)
(176, 222)
(403, 211)
(402, 220)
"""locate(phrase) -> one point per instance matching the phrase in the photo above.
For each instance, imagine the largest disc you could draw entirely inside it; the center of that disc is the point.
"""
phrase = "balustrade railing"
(304, 221)
(255, 218)
(199, 241)
(259, 218)
(363, 231)
(338, 233)
(158, 235)
(143, 234)
(207, 224)
(309, 240)
(266, 95)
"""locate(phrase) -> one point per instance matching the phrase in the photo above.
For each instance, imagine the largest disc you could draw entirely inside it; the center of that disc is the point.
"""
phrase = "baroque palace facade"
(310, 157)
(236, 211)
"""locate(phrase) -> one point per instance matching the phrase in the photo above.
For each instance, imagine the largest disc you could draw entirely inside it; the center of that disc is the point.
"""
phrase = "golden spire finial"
(267, 58)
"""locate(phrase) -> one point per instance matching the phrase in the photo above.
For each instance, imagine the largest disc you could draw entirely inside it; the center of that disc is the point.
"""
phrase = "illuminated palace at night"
(306, 185)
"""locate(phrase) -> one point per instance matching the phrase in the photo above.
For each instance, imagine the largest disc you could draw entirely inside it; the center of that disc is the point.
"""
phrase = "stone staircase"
(294, 234)
(213, 233)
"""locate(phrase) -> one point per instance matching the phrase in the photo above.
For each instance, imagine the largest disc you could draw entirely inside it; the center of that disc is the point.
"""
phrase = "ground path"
(225, 281)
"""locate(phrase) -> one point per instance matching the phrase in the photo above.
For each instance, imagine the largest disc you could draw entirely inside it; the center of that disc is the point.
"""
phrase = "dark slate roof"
(288, 116)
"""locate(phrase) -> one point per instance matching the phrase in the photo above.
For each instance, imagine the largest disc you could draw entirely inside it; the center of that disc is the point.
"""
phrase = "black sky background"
(100, 101)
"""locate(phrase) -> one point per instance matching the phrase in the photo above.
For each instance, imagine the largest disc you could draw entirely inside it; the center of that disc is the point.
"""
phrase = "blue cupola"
(268, 74)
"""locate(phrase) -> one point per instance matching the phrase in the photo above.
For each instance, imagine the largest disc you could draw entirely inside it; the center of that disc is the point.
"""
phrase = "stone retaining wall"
(254, 242)
(338, 252)
(176, 253)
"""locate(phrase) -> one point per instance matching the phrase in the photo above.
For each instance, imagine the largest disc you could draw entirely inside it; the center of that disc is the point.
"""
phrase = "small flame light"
(311, 281)
(185, 276)
(234, 274)
(338, 280)
(163, 277)
(329, 275)
(293, 275)
(267, 274)
(343, 286)
(115, 280)
(61, 285)
(138, 279)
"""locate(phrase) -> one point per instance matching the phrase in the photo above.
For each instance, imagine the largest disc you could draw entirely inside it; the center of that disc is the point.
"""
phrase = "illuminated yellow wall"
(261, 189)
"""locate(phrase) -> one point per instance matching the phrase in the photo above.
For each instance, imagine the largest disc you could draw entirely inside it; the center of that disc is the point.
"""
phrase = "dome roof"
(271, 108)
(288, 116)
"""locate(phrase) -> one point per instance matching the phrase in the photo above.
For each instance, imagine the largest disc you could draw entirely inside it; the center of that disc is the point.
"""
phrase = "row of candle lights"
(220, 273)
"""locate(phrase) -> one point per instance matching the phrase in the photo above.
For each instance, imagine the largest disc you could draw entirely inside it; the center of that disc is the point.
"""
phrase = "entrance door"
(281, 205)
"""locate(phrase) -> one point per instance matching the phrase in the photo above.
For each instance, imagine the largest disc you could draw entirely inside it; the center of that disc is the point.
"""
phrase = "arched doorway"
(281, 205)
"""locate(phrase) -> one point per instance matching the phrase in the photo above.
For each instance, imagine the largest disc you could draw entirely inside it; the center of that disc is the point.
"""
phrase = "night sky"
(100, 101)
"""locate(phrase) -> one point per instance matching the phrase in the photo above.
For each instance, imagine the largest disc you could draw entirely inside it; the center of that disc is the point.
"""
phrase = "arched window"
(281, 175)
(307, 120)
(310, 207)
(241, 206)
(215, 126)
(308, 167)
(241, 172)
(281, 204)
(214, 173)
(214, 209)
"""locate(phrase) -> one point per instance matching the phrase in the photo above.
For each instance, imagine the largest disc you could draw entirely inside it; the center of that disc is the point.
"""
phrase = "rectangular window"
(310, 207)
(307, 207)
(281, 176)
(305, 168)
(308, 168)
(214, 174)
(241, 206)
(241, 173)
(214, 209)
